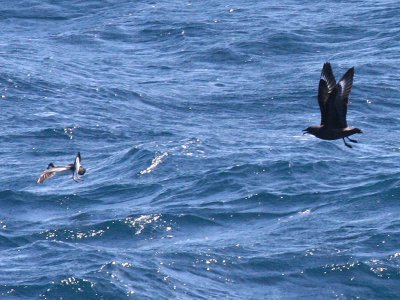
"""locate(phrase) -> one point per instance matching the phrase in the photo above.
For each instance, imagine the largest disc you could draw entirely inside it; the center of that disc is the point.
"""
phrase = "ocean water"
(189, 117)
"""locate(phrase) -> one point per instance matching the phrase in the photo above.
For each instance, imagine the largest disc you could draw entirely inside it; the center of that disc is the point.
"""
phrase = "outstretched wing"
(77, 165)
(50, 172)
(327, 84)
(342, 98)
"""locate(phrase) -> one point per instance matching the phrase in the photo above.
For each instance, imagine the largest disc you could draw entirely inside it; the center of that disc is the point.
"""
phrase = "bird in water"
(333, 99)
(76, 169)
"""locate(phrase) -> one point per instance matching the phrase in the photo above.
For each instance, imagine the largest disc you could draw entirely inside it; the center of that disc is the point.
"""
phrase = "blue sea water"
(199, 185)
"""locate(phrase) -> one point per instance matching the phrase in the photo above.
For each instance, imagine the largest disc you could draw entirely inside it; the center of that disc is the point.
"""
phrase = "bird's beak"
(305, 131)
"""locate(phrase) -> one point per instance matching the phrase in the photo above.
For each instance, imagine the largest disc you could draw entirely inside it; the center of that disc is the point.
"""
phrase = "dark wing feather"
(327, 84)
(342, 98)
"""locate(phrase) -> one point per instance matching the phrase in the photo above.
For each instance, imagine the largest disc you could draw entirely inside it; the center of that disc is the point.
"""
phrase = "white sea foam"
(154, 163)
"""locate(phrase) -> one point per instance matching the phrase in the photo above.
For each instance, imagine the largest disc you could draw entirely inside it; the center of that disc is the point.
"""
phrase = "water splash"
(141, 222)
(70, 131)
(154, 163)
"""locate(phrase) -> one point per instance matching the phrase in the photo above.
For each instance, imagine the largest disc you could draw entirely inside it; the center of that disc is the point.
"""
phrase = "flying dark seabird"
(76, 169)
(333, 99)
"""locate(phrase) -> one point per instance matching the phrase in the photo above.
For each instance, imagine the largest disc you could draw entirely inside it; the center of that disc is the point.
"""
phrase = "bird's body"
(326, 133)
(333, 99)
(76, 169)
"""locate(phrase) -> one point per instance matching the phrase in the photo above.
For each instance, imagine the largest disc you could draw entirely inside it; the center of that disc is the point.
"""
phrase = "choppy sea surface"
(189, 117)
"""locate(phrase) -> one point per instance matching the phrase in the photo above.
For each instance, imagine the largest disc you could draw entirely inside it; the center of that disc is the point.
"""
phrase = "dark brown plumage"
(333, 99)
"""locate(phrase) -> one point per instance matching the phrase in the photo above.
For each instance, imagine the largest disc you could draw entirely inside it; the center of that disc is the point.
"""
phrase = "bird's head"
(81, 170)
(311, 130)
(357, 130)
